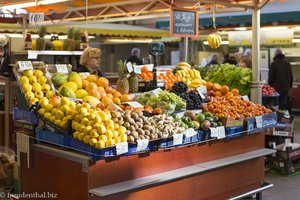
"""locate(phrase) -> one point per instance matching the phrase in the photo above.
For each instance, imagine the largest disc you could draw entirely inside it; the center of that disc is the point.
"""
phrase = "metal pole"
(256, 85)
(24, 25)
(186, 48)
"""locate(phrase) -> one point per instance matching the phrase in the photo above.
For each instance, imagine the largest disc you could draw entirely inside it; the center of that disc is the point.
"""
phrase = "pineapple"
(122, 83)
(133, 82)
(69, 44)
(41, 42)
(77, 38)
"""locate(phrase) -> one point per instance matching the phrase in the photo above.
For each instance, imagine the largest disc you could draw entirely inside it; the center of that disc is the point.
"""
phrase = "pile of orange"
(169, 79)
(234, 108)
(222, 90)
(146, 74)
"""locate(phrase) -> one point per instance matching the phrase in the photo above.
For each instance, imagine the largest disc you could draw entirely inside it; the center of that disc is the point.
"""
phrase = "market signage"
(184, 23)
(36, 17)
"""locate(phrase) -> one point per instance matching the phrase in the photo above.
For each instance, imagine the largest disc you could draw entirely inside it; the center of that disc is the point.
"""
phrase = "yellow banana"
(184, 64)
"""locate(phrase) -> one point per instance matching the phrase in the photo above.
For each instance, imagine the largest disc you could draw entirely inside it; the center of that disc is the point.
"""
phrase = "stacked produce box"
(90, 115)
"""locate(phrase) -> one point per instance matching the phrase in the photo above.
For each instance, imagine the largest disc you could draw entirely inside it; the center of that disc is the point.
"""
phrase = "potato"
(140, 125)
(127, 117)
(139, 112)
(131, 128)
(120, 122)
(131, 121)
(147, 137)
(152, 136)
(140, 131)
(126, 124)
(147, 127)
(147, 132)
(142, 137)
(139, 120)
(115, 120)
(130, 138)
(134, 115)
(134, 134)
(128, 132)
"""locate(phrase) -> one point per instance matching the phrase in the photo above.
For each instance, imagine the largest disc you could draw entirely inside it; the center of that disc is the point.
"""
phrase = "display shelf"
(53, 53)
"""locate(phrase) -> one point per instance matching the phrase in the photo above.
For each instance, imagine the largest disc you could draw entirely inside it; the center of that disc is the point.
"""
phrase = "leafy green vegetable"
(232, 76)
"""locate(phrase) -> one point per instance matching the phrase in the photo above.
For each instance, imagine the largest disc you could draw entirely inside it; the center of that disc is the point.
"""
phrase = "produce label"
(134, 104)
(142, 145)
(61, 68)
(177, 139)
(218, 132)
(200, 93)
(189, 132)
(25, 65)
(137, 69)
(32, 55)
(36, 17)
(84, 74)
(129, 67)
(245, 97)
(121, 148)
(156, 91)
(113, 106)
(259, 121)
(202, 89)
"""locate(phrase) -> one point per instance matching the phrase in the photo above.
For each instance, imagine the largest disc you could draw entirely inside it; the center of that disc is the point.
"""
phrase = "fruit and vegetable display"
(167, 102)
(216, 90)
(190, 76)
(232, 76)
(267, 90)
(192, 97)
(146, 74)
(169, 78)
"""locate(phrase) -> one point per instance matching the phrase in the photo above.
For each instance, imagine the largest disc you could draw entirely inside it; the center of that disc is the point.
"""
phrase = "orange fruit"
(106, 100)
(218, 94)
(125, 97)
(95, 93)
(224, 89)
(235, 92)
(157, 111)
(116, 100)
(110, 95)
(103, 82)
(103, 94)
(109, 89)
(85, 83)
(117, 94)
(129, 108)
(101, 89)
(91, 86)
(92, 78)
(100, 105)
(122, 107)
(148, 109)
(209, 85)
(217, 87)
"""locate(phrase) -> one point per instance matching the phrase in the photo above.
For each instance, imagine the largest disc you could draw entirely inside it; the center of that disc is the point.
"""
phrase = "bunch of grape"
(194, 100)
(179, 88)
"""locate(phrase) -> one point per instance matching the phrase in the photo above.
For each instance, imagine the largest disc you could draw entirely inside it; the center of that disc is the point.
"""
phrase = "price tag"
(200, 93)
(156, 91)
(214, 132)
(129, 67)
(189, 132)
(177, 139)
(32, 55)
(36, 17)
(134, 104)
(221, 132)
(121, 148)
(202, 89)
(25, 65)
(113, 107)
(137, 70)
(245, 97)
(84, 74)
(142, 145)
(259, 121)
(61, 68)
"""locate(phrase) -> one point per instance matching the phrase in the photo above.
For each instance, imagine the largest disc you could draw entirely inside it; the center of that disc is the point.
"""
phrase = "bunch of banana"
(197, 83)
(214, 40)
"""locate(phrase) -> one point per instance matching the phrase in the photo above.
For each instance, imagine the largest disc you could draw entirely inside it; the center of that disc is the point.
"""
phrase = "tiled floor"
(285, 188)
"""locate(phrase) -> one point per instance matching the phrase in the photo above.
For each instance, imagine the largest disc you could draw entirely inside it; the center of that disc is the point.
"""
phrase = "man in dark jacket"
(135, 57)
(281, 79)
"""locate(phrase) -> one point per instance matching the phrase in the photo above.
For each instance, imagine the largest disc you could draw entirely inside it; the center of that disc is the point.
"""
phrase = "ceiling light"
(32, 4)
(240, 28)
(223, 42)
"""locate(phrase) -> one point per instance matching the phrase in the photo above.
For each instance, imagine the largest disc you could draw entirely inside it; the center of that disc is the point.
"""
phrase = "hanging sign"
(184, 23)
(36, 17)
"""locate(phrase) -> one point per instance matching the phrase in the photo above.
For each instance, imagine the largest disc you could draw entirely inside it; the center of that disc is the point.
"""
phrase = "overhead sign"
(184, 23)
(36, 17)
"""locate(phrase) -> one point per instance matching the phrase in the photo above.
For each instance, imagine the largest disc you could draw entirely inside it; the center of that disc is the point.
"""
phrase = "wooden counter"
(216, 170)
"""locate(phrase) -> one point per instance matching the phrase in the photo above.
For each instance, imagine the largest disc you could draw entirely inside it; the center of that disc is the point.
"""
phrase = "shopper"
(90, 61)
(135, 57)
(229, 59)
(245, 62)
(281, 79)
(213, 60)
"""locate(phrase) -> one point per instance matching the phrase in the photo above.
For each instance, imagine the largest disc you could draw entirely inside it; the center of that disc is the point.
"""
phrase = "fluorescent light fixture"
(32, 4)
(279, 28)
(296, 40)
(223, 42)
(128, 41)
(240, 28)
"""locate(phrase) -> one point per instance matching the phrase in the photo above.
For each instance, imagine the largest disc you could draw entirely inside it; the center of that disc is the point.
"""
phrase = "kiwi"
(147, 137)
(128, 132)
(130, 138)
(140, 125)
(131, 128)
(115, 120)
(126, 124)
(147, 132)
(142, 137)
(134, 134)
(140, 131)
(139, 112)
(120, 122)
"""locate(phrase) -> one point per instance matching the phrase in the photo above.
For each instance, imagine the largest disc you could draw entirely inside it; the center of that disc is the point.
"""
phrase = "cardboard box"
(229, 122)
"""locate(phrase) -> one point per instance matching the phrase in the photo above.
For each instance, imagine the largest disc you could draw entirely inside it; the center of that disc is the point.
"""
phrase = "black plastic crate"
(285, 167)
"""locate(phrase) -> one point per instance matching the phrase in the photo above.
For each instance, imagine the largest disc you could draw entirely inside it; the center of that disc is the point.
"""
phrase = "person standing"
(281, 79)
(213, 60)
(135, 57)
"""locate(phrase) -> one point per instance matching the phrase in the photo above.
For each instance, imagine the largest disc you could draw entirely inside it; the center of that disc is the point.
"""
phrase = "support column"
(186, 48)
(256, 85)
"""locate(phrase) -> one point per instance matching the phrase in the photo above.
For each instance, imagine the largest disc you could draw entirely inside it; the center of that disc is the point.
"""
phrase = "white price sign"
(218, 132)
(245, 97)
(137, 70)
(121, 148)
(134, 104)
(129, 67)
(177, 139)
(156, 91)
(25, 65)
(142, 145)
(189, 132)
(36, 17)
(62, 68)
(32, 55)
(202, 89)
(200, 93)
(259, 121)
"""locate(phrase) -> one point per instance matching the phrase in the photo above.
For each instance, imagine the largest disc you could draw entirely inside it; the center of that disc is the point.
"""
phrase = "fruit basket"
(25, 115)
(50, 137)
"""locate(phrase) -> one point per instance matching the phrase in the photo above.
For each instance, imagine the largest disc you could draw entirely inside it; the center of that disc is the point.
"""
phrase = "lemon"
(42, 111)
(102, 129)
(32, 80)
(93, 142)
(27, 87)
(59, 114)
(100, 144)
(98, 119)
(47, 115)
(77, 118)
(75, 134)
(86, 139)
(115, 133)
(43, 102)
(91, 123)
(103, 138)
(49, 94)
(72, 105)
(84, 121)
(28, 73)
(122, 130)
(117, 140)
(36, 87)
(80, 136)
(65, 101)
(109, 134)
(45, 88)
(94, 133)
(110, 142)
(29, 95)
(38, 73)
(75, 125)
(54, 110)
(63, 124)
(33, 101)
(123, 137)
(24, 80)
(96, 125)
(64, 108)
(42, 80)
(48, 107)
(57, 122)
(52, 118)
(87, 129)
(81, 128)
(39, 94)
